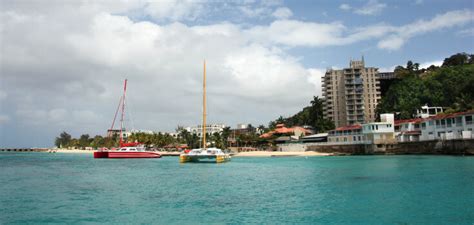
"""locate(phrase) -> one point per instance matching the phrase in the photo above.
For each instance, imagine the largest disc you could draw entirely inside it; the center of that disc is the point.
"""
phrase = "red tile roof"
(451, 115)
(350, 127)
(436, 117)
(416, 120)
(281, 129)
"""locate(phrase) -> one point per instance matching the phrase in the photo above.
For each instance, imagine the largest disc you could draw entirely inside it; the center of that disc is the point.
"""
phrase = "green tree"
(449, 86)
(457, 59)
(84, 141)
(311, 115)
(63, 141)
(225, 136)
(97, 141)
(410, 65)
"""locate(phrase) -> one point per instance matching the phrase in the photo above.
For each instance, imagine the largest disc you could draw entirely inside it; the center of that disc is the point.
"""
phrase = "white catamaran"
(204, 153)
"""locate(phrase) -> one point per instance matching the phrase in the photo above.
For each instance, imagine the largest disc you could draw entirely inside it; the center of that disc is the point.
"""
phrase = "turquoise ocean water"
(38, 188)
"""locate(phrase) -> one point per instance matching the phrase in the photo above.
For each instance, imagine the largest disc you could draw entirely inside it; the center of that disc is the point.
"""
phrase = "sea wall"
(291, 147)
(433, 147)
(445, 147)
(355, 149)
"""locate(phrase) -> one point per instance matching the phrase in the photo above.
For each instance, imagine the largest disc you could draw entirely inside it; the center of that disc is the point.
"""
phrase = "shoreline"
(280, 154)
(240, 154)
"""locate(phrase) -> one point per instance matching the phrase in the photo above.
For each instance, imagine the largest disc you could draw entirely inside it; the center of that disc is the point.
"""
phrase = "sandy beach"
(279, 154)
(72, 151)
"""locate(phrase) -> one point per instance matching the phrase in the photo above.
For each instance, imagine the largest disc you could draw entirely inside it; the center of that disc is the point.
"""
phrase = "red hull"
(123, 155)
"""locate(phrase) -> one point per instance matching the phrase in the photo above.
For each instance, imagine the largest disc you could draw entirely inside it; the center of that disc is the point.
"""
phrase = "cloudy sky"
(62, 63)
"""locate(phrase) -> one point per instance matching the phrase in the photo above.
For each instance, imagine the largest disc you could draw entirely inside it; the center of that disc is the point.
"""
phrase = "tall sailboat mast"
(123, 110)
(203, 153)
(204, 109)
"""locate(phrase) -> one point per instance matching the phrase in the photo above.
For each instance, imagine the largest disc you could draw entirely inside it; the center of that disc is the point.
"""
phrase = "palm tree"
(225, 136)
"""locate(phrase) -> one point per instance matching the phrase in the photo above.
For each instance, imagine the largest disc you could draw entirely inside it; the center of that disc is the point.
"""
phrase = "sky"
(63, 63)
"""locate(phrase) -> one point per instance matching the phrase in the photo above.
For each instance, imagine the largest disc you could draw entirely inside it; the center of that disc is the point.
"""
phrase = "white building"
(427, 111)
(210, 129)
(382, 132)
(446, 127)
(136, 131)
(408, 130)
(370, 133)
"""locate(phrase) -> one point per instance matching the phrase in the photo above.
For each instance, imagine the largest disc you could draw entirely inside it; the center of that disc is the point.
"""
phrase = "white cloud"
(74, 75)
(393, 42)
(250, 11)
(298, 33)
(315, 79)
(345, 7)
(282, 13)
(372, 7)
(259, 71)
(425, 65)
(466, 32)
(442, 21)
(387, 69)
(163, 64)
(174, 10)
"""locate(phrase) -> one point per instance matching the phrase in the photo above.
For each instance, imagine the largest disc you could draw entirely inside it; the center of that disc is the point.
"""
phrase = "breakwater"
(432, 147)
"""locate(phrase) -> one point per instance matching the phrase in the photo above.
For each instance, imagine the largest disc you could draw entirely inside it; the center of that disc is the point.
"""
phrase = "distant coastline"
(240, 154)
(176, 153)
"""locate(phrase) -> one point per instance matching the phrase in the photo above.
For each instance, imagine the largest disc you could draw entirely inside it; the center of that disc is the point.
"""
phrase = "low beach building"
(448, 126)
(315, 138)
(408, 130)
(295, 132)
(346, 135)
(380, 135)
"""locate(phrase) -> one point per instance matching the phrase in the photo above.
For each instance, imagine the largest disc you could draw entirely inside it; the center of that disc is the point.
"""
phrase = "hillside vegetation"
(450, 86)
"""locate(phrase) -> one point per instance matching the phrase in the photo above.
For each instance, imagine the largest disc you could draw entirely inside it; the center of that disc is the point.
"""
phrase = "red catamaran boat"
(126, 150)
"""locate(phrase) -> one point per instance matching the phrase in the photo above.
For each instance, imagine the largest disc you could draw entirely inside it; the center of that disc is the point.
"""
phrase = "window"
(468, 119)
(430, 123)
(443, 122)
(458, 121)
(377, 127)
(345, 139)
(423, 126)
(449, 122)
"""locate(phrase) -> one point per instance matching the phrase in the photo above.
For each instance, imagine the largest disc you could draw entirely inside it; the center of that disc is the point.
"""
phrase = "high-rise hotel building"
(351, 94)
